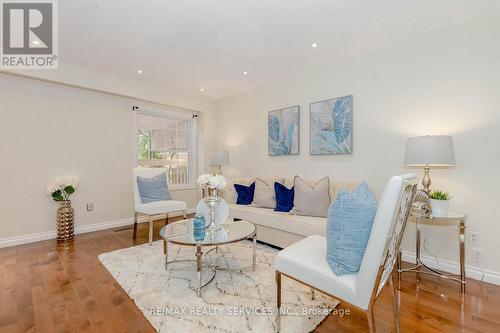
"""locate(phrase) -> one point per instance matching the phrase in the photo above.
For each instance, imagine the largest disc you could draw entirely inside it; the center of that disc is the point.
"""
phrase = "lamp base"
(426, 180)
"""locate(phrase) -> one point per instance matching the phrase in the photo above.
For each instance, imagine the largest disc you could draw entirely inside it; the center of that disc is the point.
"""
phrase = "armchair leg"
(135, 226)
(184, 214)
(371, 320)
(278, 301)
(164, 241)
(399, 268)
(150, 230)
(312, 294)
(394, 303)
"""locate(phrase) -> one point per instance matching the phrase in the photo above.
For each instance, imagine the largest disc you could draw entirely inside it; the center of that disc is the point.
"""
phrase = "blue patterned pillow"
(350, 220)
(284, 197)
(245, 194)
(154, 188)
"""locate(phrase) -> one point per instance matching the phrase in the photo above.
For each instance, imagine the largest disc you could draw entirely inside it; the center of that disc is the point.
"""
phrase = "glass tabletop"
(450, 217)
(183, 233)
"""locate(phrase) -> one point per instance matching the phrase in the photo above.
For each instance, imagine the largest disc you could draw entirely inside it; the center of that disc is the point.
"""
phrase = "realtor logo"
(29, 34)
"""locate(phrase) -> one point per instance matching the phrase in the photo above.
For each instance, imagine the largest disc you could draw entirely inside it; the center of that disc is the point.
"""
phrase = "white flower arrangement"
(61, 188)
(212, 181)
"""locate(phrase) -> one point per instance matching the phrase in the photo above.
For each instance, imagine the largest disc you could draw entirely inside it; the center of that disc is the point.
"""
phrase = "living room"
(204, 88)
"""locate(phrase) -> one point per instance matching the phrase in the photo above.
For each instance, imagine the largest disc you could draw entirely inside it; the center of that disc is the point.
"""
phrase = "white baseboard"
(24, 239)
(452, 267)
(104, 225)
(41, 236)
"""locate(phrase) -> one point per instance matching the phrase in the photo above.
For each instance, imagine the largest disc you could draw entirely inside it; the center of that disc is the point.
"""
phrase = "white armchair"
(153, 208)
(305, 261)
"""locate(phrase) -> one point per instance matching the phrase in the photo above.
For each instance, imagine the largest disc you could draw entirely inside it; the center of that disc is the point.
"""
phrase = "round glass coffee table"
(183, 233)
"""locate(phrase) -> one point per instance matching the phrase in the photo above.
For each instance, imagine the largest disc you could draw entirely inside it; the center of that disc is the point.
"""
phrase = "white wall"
(447, 82)
(49, 130)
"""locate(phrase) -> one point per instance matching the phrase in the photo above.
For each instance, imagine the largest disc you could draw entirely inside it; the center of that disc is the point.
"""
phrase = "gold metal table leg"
(462, 255)
(254, 255)
(198, 269)
(166, 255)
(151, 230)
(417, 247)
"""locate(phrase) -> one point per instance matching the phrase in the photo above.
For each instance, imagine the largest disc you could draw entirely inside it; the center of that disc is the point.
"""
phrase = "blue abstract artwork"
(331, 126)
(283, 132)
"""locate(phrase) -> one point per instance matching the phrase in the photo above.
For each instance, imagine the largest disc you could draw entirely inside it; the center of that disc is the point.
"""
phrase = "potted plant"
(61, 189)
(439, 202)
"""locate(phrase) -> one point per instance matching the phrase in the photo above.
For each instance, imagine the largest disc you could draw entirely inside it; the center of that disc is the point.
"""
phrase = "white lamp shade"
(220, 157)
(430, 150)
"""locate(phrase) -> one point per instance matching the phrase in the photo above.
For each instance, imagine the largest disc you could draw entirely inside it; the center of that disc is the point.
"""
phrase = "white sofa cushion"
(161, 207)
(305, 261)
(300, 225)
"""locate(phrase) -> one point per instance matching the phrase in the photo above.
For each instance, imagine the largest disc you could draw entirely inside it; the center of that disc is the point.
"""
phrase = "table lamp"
(220, 158)
(429, 151)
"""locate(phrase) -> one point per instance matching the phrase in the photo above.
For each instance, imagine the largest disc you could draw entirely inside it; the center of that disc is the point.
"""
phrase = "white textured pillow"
(264, 195)
(311, 200)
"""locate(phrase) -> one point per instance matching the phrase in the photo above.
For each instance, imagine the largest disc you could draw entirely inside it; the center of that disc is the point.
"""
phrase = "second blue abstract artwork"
(331, 126)
(283, 132)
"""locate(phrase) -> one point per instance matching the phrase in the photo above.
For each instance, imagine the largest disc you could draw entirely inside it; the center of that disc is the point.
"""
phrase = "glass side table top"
(183, 233)
(451, 217)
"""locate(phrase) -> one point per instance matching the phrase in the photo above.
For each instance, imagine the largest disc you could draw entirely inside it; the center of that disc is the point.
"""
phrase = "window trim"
(192, 141)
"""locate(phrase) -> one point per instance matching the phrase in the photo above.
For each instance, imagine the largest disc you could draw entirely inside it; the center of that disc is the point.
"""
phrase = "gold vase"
(65, 221)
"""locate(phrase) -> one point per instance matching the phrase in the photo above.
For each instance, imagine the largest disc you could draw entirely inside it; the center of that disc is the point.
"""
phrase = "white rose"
(220, 182)
(51, 188)
(206, 180)
(58, 181)
(71, 180)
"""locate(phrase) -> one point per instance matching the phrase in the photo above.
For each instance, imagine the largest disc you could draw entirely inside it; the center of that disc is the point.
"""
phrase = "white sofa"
(279, 228)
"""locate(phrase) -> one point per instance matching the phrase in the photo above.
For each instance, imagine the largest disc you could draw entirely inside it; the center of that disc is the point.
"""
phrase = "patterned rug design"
(237, 300)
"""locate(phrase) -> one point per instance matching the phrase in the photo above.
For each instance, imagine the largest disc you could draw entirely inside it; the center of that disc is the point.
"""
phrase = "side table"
(438, 220)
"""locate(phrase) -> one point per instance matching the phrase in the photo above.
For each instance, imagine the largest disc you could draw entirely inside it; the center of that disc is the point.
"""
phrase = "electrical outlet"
(90, 207)
(474, 237)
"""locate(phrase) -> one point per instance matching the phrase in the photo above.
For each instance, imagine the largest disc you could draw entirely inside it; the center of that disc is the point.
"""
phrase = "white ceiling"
(195, 44)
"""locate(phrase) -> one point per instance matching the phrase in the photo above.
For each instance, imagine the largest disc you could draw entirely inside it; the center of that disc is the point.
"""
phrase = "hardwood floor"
(48, 288)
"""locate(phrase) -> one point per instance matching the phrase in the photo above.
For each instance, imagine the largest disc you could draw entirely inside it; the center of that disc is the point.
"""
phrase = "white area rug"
(238, 300)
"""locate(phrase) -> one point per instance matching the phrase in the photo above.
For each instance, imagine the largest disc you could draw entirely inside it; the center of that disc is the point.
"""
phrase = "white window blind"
(167, 140)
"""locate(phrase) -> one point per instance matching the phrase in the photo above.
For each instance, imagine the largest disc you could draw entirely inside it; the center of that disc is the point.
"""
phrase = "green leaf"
(439, 195)
(69, 189)
(57, 196)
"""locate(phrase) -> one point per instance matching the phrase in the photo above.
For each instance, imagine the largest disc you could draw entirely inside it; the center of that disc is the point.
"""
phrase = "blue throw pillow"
(153, 189)
(349, 225)
(284, 198)
(245, 194)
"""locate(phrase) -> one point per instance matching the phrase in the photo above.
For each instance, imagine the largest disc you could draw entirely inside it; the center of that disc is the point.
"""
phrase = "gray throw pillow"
(264, 195)
(311, 200)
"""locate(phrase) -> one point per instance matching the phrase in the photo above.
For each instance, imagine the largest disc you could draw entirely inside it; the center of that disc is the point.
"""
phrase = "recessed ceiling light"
(245, 73)
(36, 42)
(139, 71)
(202, 89)
(314, 45)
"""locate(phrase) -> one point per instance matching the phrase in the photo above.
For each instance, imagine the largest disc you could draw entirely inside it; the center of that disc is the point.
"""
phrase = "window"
(167, 141)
